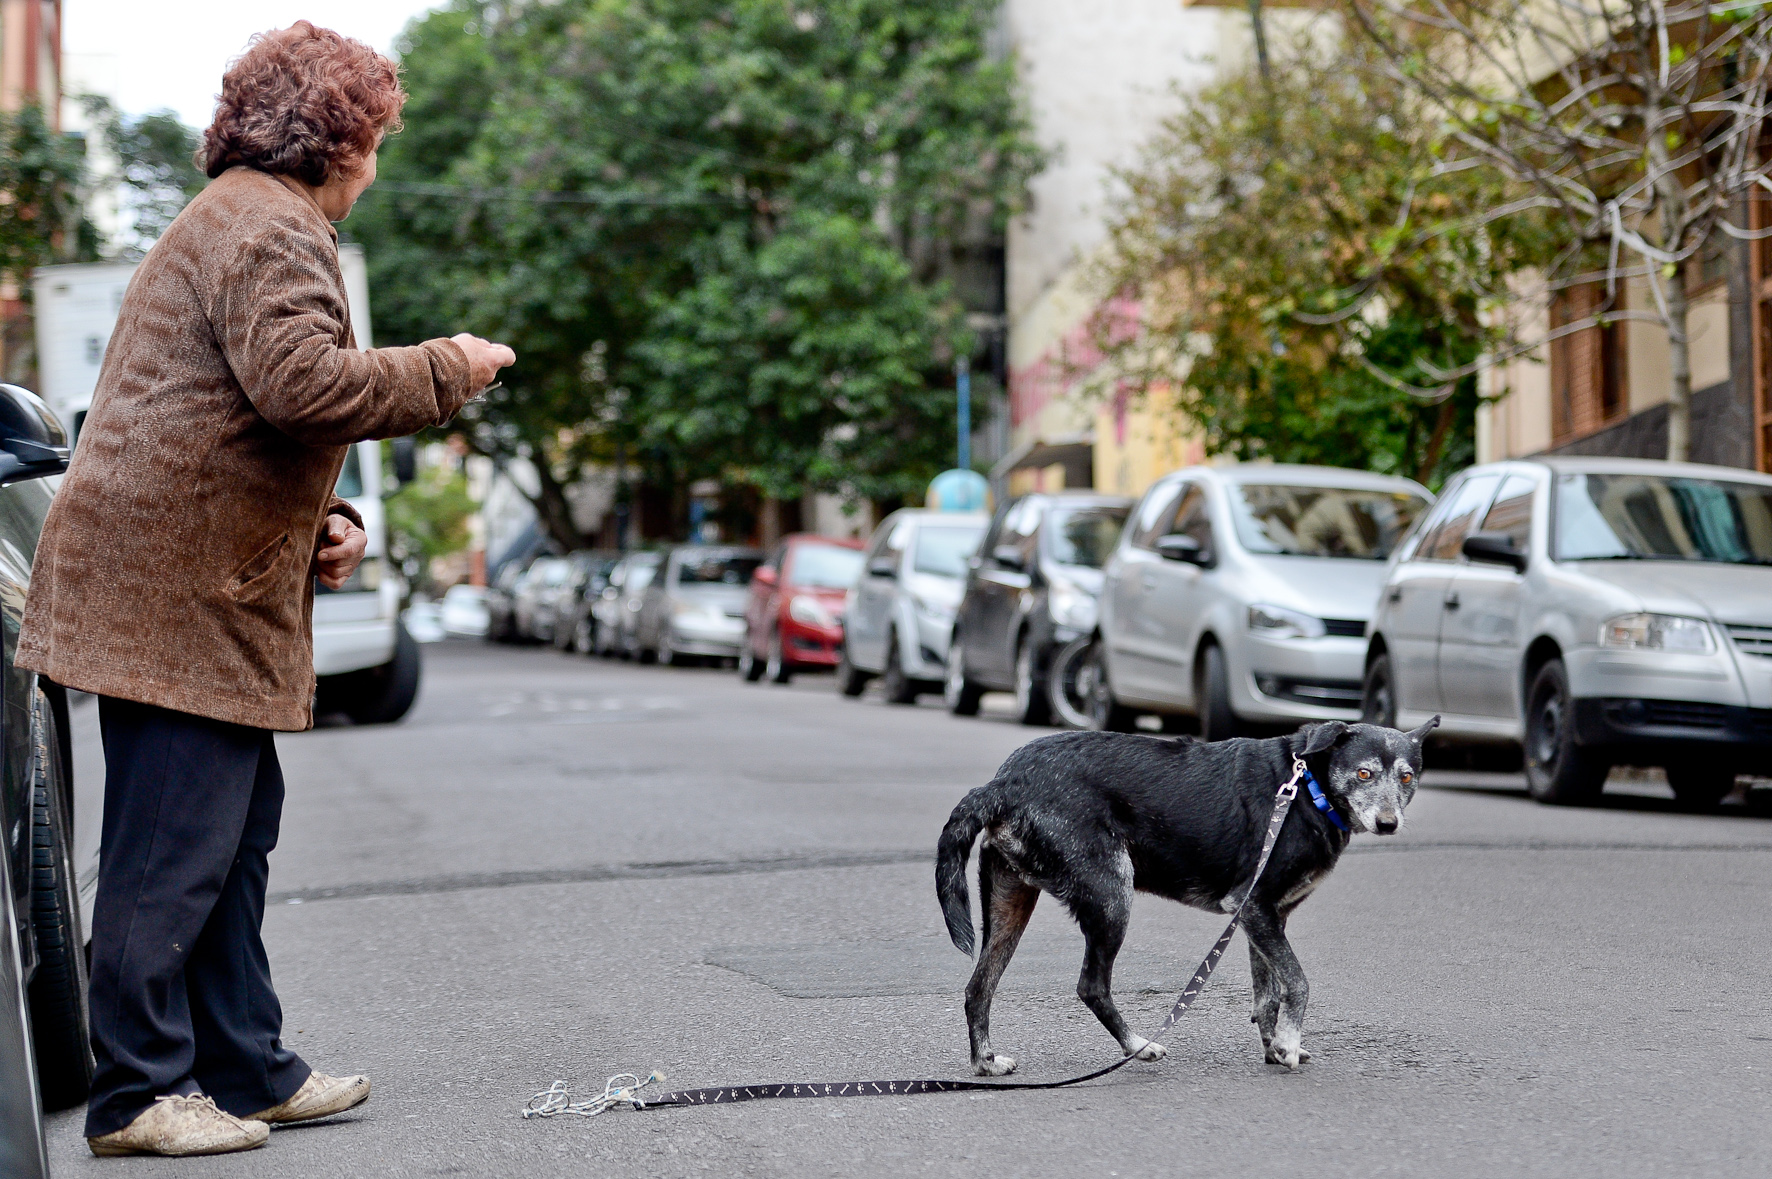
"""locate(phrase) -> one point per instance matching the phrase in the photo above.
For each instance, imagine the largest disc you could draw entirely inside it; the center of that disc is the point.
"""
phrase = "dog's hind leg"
(1103, 908)
(1283, 998)
(1008, 903)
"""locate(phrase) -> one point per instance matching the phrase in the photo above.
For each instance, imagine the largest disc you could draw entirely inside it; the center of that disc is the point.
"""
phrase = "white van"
(367, 663)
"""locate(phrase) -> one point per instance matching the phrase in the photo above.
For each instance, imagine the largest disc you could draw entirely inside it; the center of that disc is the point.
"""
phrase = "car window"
(1446, 541)
(1084, 536)
(1154, 515)
(1603, 517)
(825, 566)
(1511, 514)
(1315, 521)
(1192, 519)
(640, 576)
(943, 549)
(716, 569)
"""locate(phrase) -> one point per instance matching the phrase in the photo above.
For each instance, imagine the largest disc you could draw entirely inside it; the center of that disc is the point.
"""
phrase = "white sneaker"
(181, 1125)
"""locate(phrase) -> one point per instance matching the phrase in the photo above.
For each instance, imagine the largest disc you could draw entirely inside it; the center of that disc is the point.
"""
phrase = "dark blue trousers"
(181, 998)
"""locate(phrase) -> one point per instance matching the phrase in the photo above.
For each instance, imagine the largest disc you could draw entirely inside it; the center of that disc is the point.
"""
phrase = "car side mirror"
(33, 442)
(764, 575)
(1180, 547)
(1007, 556)
(1494, 548)
(883, 567)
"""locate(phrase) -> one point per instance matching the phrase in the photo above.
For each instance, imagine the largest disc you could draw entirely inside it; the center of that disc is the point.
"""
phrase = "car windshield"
(942, 549)
(826, 566)
(723, 569)
(1322, 521)
(1662, 518)
(1085, 536)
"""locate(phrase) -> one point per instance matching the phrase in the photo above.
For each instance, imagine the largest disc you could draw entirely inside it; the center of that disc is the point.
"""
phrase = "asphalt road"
(562, 868)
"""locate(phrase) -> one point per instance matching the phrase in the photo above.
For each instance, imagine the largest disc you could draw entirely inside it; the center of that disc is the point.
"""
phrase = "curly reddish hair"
(303, 102)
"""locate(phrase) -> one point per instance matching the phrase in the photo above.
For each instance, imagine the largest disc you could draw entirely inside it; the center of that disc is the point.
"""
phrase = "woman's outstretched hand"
(484, 357)
(341, 551)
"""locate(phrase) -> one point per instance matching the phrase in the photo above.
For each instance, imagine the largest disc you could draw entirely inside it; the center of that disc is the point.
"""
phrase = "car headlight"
(1658, 632)
(1071, 605)
(808, 610)
(934, 610)
(1277, 622)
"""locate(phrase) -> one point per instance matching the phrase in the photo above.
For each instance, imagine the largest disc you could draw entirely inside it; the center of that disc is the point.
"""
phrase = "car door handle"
(1396, 595)
(1451, 601)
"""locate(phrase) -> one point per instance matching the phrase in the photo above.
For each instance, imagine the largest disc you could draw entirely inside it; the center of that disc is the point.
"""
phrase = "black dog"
(1090, 817)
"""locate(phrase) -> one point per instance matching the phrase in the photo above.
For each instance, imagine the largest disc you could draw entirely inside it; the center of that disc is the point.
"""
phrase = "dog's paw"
(1145, 1049)
(1290, 1057)
(994, 1065)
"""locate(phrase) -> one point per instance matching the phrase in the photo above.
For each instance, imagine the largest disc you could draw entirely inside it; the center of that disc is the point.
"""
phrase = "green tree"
(156, 168)
(427, 519)
(1308, 271)
(723, 237)
(41, 173)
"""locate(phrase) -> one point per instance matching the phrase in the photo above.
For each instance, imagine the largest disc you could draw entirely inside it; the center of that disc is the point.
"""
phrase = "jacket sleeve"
(281, 319)
(342, 507)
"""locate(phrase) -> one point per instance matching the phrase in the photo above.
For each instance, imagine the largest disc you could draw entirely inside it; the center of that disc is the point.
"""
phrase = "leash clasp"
(1290, 790)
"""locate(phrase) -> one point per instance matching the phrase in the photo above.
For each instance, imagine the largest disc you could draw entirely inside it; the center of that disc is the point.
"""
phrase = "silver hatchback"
(1240, 595)
(1594, 611)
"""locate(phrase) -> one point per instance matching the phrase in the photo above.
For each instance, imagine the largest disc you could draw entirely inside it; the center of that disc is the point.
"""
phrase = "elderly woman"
(175, 580)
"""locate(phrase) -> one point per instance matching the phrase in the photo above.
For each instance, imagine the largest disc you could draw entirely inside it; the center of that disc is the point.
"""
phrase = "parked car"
(463, 611)
(695, 608)
(1595, 611)
(574, 625)
(423, 620)
(532, 598)
(1240, 596)
(51, 867)
(794, 615)
(1030, 589)
(899, 615)
(617, 611)
(501, 613)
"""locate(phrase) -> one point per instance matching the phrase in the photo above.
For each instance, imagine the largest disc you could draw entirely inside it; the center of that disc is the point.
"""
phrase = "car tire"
(58, 989)
(382, 695)
(776, 670)
(1700, 786)
(1558, 771)
(899, 687)
(1106, 713)
(1212, 696)
(851, 680)
(1031, 704)
(959, 692)
(1378, 694)
(1066, 692)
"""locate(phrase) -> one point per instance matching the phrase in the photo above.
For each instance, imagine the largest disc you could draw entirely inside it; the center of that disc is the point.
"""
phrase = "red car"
(794, 616)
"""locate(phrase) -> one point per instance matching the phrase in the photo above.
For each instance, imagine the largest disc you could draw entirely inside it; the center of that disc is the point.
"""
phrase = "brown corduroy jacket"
(176, 566)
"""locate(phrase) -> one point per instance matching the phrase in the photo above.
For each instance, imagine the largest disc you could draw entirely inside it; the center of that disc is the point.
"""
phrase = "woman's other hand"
(484, 357)
(341, 550)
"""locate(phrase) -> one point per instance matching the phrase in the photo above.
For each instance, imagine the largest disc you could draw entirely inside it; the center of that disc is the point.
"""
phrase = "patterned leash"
(624, 1088)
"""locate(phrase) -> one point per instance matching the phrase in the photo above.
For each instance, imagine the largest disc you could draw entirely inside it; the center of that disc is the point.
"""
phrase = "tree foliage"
(723, 236)
(156, 171)
(1306, 270)
(41, 174)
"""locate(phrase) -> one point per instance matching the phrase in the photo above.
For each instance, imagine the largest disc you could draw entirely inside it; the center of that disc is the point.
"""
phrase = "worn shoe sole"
(110, 1150)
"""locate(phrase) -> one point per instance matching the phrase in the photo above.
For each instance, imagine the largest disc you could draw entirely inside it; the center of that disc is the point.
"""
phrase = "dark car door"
(1004, 575)
(22, 1151)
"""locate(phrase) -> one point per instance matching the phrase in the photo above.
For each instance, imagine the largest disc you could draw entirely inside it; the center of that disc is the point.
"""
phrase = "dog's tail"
(951, 854)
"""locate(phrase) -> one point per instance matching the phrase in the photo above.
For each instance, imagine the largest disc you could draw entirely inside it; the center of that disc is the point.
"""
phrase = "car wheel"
(899, 687)
(382, 695)
(1558, 771)
(958, 692)
(1106, 713)
(1031, 705)
(851, 680)
(58, 989)
(1068, 680)
(777, 670)
(1212, 696)
(1700, 787)
(1378, 695)
(749, 669)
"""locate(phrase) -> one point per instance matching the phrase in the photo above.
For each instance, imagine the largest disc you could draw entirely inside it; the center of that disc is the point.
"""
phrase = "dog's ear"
(1320, 737)
(1420, 735)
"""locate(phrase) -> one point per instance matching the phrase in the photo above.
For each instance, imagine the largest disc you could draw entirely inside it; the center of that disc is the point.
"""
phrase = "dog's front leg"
(1286, 992)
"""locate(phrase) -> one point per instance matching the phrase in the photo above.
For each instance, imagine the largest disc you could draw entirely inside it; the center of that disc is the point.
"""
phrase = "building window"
(1588, 376)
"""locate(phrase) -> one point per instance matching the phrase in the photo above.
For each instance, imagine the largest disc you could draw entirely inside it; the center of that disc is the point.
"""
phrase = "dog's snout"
(1385, 824)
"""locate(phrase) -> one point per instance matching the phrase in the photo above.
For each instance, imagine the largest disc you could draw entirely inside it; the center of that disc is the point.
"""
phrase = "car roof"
(1300, 474)
(1079, 499)
(1581, 464)
(938, 515)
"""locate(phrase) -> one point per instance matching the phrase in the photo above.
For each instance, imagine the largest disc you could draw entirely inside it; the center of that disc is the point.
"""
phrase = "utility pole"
(963, 386)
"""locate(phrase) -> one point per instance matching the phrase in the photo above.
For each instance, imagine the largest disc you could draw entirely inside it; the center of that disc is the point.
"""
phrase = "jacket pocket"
(258, 572)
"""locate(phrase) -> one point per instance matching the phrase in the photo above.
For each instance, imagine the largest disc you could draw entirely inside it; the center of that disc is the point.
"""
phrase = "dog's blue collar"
(1321, 801)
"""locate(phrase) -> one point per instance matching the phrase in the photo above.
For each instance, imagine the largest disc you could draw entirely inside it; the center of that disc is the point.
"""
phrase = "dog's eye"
(1408, 777)
(1365, 775)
